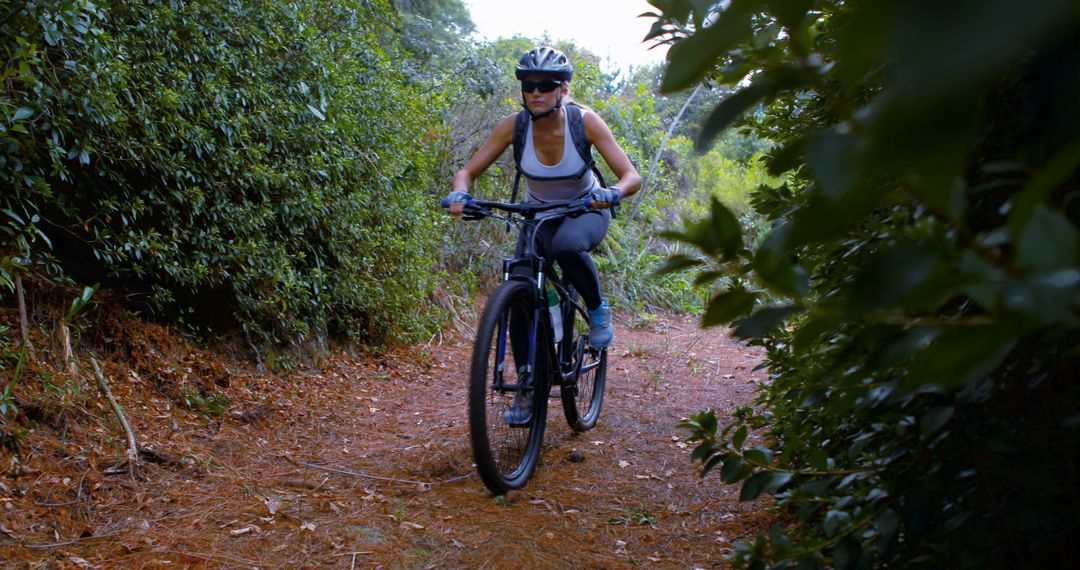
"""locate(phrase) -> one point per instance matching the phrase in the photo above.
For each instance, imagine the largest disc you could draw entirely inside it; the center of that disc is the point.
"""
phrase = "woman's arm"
(601, 137)
(500, 138)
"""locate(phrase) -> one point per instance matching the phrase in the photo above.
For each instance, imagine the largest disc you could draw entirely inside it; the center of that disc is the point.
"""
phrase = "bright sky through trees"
(609, 28)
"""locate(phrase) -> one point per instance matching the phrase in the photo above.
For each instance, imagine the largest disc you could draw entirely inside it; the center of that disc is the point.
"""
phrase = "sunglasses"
(545, 86)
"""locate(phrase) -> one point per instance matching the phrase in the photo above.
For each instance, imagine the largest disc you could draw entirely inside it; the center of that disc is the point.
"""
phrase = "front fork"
(512, 267)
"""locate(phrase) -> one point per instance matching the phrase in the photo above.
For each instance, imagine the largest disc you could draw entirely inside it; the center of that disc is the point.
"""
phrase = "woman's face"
(533, 88)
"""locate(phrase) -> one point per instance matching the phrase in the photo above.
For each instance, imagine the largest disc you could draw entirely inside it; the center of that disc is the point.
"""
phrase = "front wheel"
(506, 449)
(583, 395)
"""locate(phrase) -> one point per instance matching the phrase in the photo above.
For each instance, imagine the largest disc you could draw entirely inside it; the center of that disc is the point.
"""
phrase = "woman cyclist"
(554, 170)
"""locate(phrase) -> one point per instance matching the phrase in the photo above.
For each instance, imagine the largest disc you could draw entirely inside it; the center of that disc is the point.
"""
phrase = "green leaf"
(835, 521)
(790, 12)
(936, 172)
(764, 85)
(917, 511)
(706, 277)
(891, 277)
(1048, 241)
(727, 306)
(22, 113)
(728, 111)
(765, 321)
(948, 54)
(717, 235)
(774, 264)
(807, 334)
(315, 111)
(734, 470)
(934, 419)
(759, 456)
(763, 482)
(1042, 185)
(834, 160)
(678, 262)
(786, 157)
(691, 59)
(704, 451)
(963, 355)
(819, 459)
(887, 523)
(739, 437)
(823, 219)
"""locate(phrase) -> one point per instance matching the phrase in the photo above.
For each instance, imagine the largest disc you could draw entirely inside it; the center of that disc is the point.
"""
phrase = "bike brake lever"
(475, 213)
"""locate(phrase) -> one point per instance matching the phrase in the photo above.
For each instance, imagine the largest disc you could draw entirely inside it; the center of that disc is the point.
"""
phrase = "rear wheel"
(583, 394)
(506, 453)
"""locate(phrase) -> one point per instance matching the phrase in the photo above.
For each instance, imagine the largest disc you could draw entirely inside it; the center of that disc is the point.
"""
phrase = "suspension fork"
(539, 309)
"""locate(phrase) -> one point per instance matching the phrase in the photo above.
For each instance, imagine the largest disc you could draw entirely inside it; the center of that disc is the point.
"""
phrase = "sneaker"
(600, 332)
(520, 412)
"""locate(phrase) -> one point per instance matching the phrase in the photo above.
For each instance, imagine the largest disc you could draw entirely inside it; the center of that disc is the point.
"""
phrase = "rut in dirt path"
(366, 464)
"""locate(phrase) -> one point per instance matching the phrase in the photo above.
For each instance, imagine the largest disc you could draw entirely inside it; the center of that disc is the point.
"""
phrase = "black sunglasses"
(545, 86)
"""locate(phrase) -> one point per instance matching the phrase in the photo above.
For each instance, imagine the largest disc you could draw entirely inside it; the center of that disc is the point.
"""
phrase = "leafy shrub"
(259, 162)
(918, 291)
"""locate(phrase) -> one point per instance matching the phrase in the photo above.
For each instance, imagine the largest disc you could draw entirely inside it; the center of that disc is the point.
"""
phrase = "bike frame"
(540, 274)
(530, 266)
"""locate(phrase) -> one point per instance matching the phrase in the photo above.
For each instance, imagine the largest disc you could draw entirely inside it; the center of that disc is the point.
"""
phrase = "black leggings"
(568, 241)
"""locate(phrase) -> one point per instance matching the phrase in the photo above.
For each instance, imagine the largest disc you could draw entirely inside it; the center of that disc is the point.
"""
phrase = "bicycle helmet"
(546, 60)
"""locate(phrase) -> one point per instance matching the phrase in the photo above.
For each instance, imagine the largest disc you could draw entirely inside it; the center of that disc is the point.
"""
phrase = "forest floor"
(364, 462)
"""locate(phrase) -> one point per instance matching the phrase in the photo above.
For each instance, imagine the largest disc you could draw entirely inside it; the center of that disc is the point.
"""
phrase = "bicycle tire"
(505, 455)
(583, 396)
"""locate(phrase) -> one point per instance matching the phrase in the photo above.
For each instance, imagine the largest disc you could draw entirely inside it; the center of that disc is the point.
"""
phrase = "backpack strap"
(521, 127)
(581, 140)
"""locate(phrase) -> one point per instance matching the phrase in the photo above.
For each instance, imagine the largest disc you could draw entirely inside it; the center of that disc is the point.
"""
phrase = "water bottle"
(556, 314)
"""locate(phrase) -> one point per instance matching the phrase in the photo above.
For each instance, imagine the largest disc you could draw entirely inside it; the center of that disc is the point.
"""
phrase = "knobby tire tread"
(483, 420)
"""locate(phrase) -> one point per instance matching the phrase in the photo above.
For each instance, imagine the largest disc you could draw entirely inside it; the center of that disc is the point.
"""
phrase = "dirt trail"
(365, 463)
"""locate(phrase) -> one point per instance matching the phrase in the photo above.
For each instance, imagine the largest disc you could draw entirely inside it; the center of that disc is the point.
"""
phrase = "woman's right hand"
(456, 201)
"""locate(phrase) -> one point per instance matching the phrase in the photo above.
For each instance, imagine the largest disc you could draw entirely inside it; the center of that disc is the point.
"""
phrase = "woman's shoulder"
(592, 119)
(585, 109)
(504, 130)
(508, 120)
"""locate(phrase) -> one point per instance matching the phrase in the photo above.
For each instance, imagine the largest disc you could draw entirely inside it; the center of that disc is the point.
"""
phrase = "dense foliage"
(248, 162)
(918, 291)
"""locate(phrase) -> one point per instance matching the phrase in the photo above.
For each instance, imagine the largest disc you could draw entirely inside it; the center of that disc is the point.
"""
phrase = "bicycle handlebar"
(527, 209)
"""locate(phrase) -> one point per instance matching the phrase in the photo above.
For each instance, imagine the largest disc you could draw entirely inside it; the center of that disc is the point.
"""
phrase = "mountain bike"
(516, 359)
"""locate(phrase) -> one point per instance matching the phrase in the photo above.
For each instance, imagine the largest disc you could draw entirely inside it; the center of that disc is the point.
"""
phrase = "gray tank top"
(567, 186)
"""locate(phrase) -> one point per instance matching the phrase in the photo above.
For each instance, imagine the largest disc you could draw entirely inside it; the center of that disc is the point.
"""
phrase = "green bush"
(918, 291)
(258, 162)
